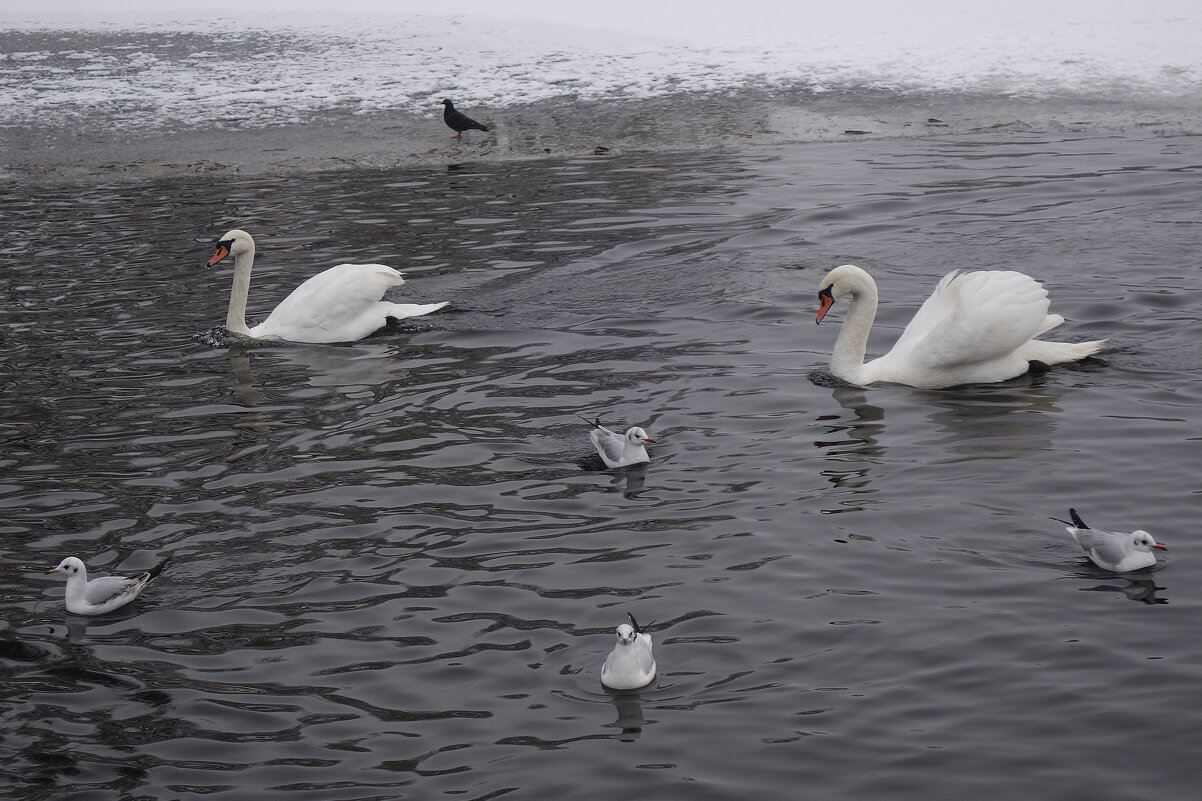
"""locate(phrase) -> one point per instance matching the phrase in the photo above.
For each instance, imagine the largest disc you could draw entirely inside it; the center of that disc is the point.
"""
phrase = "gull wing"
(1106, 546)
(608, 444)
(101, 590)
(643, 652)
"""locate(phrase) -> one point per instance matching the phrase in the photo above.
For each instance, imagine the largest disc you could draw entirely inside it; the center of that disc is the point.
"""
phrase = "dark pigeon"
(458, 121)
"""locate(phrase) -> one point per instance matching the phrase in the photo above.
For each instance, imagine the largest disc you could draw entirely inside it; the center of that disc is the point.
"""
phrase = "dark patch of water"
(396, 572)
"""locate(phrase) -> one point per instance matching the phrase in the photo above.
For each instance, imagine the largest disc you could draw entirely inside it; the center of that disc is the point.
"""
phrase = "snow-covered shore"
(265, 86)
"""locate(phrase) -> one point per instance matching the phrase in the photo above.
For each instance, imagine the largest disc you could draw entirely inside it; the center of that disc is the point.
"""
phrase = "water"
(397, 568)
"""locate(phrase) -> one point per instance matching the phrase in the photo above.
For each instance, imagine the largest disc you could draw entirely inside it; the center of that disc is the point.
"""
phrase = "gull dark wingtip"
(154, 571)
(1076, 518)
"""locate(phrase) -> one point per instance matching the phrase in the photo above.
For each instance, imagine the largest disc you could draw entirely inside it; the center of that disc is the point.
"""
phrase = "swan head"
(843, 280)
(1142, 541)
(235, 243)
(626, 634)
(637, 436)
(71, 566)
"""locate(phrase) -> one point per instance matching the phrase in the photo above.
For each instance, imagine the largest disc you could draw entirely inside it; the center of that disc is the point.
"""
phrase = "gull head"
(637, 436)
(1143, 541)
(71, 566)
(626, 634)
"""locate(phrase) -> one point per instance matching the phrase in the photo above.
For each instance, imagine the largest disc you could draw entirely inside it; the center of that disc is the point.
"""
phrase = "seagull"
(102, 594)
(617, 450)
(630, 665)
(458, 121)
(1118, 551)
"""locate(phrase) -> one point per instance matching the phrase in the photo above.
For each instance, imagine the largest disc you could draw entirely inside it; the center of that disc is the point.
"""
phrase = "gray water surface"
(397, 567)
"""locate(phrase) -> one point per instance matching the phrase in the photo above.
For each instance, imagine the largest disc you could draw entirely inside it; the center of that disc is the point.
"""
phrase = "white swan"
(341, 304)
(977, 327)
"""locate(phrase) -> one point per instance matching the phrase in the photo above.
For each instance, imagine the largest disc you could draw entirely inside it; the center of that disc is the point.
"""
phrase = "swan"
(341, 304)
(630, 664)
(975, 328)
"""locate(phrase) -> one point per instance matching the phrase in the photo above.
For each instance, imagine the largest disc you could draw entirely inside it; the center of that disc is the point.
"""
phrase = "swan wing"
(341, 304)
(978, 317)
(933, 311)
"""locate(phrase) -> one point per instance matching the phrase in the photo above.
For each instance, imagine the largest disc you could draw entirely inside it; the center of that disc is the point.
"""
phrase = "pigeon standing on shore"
(458, 121)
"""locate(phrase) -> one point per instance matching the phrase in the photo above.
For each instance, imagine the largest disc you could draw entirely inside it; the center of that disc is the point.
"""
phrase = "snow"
(256, 62)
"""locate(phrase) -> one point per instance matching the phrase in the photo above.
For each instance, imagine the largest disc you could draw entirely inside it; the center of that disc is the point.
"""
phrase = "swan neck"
(847, 360)
(235, 317)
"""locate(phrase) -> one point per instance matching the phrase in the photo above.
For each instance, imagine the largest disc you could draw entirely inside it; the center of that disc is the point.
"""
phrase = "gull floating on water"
(617, 450)
(630, 665)
(102, 594)
(1119, 551)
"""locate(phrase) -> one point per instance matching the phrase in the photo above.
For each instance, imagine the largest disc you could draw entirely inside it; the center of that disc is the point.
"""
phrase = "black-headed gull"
(1119, 551)
(102, 594)
(630, 665)
(617, 450)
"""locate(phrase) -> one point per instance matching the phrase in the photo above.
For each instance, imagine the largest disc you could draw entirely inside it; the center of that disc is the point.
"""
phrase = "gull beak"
(223, 250)
(1159, 547)
(52, 570)
(648, 439)
(825, 301)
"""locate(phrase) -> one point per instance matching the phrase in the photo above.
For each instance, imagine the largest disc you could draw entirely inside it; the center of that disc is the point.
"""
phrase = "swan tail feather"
(1049, 322)
(403, 310)
(1059, 352)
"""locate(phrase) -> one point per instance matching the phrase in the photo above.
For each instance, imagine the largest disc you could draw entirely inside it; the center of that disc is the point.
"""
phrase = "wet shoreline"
(103, 149)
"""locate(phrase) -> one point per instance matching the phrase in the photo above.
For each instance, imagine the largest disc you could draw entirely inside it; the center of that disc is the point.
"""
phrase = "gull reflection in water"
(630, 481)
(630, 715)
(1137, 589)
